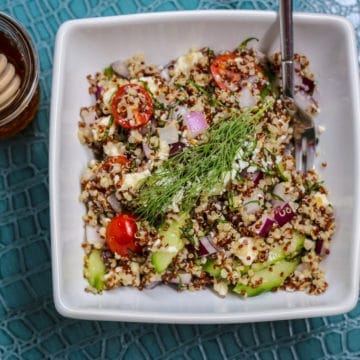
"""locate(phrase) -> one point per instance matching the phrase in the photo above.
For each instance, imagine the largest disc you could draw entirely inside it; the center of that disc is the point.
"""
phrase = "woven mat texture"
(30, 327)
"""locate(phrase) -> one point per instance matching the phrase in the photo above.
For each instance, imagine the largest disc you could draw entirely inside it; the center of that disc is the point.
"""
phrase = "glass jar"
(19, 49)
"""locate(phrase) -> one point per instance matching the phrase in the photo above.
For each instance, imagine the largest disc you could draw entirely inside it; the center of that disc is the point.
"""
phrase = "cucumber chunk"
(268, 278)
(211, 269)
(280, 171)
(172, 243)
(94, 270)
(161, 260)
(278, 252)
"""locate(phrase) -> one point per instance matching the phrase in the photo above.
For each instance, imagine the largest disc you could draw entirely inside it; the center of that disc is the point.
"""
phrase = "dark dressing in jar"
(19, 78)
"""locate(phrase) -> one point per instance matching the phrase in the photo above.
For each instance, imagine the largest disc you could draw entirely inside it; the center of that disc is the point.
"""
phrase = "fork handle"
(287, 46)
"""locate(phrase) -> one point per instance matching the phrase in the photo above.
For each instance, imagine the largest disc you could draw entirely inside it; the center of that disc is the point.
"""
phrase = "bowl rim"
(210, 13)
(191, 318)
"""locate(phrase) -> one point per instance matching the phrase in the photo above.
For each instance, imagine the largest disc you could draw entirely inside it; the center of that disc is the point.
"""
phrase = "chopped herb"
(188, 232)
(265, 170)
(270, 87)
(266, 91)
(131, 146)
(244, 44)
(157, 104)
(239, 178)
(179, 86)
(312, 187)
(106, 133)
(210, 52)
(196, 170)
(161, 122)
(109, 72)
(230, 197)
(252, 202)
(210, 95)
(172, 108)
(280, 172)
(221, 221)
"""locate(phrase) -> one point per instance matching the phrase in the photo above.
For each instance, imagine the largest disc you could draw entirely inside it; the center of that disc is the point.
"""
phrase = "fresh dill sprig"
(197, 170)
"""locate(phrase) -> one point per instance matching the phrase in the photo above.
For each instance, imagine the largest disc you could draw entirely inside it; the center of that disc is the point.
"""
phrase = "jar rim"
(31, 78)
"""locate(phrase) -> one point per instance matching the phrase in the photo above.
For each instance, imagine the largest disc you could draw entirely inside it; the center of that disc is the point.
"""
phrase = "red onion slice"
(120, 69)
(176, 148)
(283, 214)
(256, 177)
(266, 225)
(207, 247)
(106, 254)
(320, 249)
(147, 151)
(196, 123)
(309, 85)
(99, 90)
(114, 203)
(153, 284)
(319, 246)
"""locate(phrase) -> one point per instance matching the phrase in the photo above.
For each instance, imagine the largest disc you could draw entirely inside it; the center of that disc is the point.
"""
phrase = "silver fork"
(303, 124)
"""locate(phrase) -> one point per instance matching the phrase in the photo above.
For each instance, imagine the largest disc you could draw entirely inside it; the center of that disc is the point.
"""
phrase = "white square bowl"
(86, 46)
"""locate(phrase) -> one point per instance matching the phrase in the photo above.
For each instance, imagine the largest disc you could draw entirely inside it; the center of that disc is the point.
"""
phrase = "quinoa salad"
(192, 182)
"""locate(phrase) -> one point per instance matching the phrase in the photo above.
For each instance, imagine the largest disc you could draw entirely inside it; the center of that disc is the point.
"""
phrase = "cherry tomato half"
(132, 106)
(120, 235)
(225, 72)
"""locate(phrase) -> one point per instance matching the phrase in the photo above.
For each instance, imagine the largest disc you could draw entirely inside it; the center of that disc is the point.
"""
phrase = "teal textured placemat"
(30, 327)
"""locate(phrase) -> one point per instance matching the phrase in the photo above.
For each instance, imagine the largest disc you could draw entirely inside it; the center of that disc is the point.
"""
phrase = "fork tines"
(305, 149)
